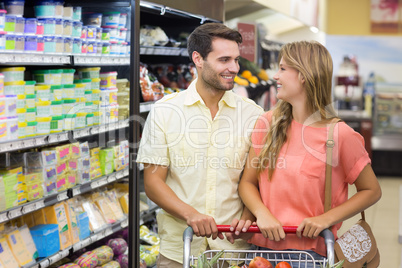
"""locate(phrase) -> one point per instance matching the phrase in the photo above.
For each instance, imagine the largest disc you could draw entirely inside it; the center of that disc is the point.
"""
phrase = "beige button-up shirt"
(205, 157)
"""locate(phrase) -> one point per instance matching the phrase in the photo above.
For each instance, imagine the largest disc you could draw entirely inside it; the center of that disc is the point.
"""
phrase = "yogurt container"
(20, 102)
(29, 87)
(2, 40)
(49, 26)
(112, 31)
(77, 13)
(59, 24)
(68, 106)
(58, 9)
(123, 20)
(13, 74)
(68, 91)
(31, 43)
(19, 25)
(9, 25)
(111, 18)
(45, 9)
(108, 79)
(56, 108)
(79, 91)
(30, 26)
(57, 124)
(14, 88)
(19, 43)
(89, 73)
(42, 93)
(69, 121)
(30, 101)
(30, 115)
(2, 19)
(67, 28)
(89, 119)
(67, 76)
(11, 105)
(49, 44)
(21, 130)
(12, 128)
(3, 129)
(80, 120)
(56, 92)
(91, 32)
(68, 46)
(30, 129)
(15, 7)
(10, 42)
(76, 29)
(43, 108)
(77, 44)
(21, 114)
(43, 125)
(67, 12)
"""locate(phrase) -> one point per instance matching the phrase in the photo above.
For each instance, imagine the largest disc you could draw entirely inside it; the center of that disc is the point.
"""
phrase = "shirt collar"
(193, 96)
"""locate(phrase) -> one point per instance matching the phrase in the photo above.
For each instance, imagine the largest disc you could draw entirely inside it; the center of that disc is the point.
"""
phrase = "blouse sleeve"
(353, 156)
(260, 131)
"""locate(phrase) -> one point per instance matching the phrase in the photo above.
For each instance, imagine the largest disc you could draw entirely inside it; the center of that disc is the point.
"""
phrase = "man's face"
(221, 65)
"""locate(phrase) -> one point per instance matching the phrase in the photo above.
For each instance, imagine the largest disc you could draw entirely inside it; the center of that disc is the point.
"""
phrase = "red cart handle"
(255, 229)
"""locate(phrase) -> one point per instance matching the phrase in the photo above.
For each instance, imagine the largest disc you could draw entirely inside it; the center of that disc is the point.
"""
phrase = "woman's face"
(290, 87)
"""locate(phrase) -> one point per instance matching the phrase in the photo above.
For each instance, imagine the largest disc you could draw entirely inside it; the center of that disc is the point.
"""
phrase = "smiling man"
(194, 146)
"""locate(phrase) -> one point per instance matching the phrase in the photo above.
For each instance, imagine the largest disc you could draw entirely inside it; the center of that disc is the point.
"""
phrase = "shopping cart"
(240, 257)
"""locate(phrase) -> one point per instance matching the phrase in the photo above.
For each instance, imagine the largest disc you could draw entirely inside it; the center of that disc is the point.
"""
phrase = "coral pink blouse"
(296, 190)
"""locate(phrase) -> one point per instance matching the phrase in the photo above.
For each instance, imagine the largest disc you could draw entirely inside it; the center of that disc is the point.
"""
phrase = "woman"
(283, 181)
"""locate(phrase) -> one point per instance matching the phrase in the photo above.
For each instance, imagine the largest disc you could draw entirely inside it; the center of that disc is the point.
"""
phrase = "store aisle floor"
(384, 219)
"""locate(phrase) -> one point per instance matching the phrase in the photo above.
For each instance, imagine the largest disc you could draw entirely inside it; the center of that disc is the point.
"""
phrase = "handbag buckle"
(330, 143)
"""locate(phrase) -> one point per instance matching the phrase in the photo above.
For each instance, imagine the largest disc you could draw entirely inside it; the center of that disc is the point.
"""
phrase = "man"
(194, 146)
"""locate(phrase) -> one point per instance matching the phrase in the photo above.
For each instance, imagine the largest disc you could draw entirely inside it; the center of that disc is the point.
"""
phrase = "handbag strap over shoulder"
(328, 168)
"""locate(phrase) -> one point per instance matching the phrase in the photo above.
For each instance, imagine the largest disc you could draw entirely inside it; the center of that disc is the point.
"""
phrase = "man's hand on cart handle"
(255, 229)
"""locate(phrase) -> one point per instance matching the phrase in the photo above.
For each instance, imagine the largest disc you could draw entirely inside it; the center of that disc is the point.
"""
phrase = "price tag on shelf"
(94, 130)
(126, 172)
(124, 223)
(94, 185)
(64, 253)
(40, 140)
(76, 191)
(62, 196)
(3, 217)
(86, 242)
(35, 266)
(44, 263)
(102, 182)
(111, 178)
(14, 213)
(102, 128)
(120, 174)
(77, 246)
(100, 235)
(28, 208)
(55, 258)
(40, 204)
(108, 231)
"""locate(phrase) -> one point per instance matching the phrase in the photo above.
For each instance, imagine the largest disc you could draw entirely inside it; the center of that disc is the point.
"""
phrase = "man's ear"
(197, 59)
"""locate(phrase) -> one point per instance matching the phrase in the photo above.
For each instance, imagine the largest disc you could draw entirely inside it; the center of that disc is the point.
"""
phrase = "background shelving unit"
(174, 20)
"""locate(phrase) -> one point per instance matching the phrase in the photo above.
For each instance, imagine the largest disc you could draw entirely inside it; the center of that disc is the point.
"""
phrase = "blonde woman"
(283, 181)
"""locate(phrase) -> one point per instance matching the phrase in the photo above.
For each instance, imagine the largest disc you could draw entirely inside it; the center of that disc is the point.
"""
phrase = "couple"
(212, 157)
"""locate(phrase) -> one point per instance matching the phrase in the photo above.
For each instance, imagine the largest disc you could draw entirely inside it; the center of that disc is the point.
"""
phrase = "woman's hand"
(239, 230)
(312, 227)
(270, 227)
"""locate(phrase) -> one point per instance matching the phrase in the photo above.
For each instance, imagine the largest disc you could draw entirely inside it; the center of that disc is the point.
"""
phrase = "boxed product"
(6, 255)
(46, 238)
(57, 214)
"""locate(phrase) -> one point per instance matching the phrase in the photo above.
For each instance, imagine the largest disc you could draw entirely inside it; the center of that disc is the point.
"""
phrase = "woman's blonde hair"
(314, 64)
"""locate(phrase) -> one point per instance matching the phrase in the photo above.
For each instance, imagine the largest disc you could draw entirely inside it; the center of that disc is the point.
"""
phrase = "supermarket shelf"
(83, 188)
(59, 59)
(53, 199)
(60, 137)
(101, 60)
(163, 51)
(113, 228)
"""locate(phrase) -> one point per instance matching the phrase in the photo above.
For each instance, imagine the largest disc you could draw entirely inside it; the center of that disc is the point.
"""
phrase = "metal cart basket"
(240, 257)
